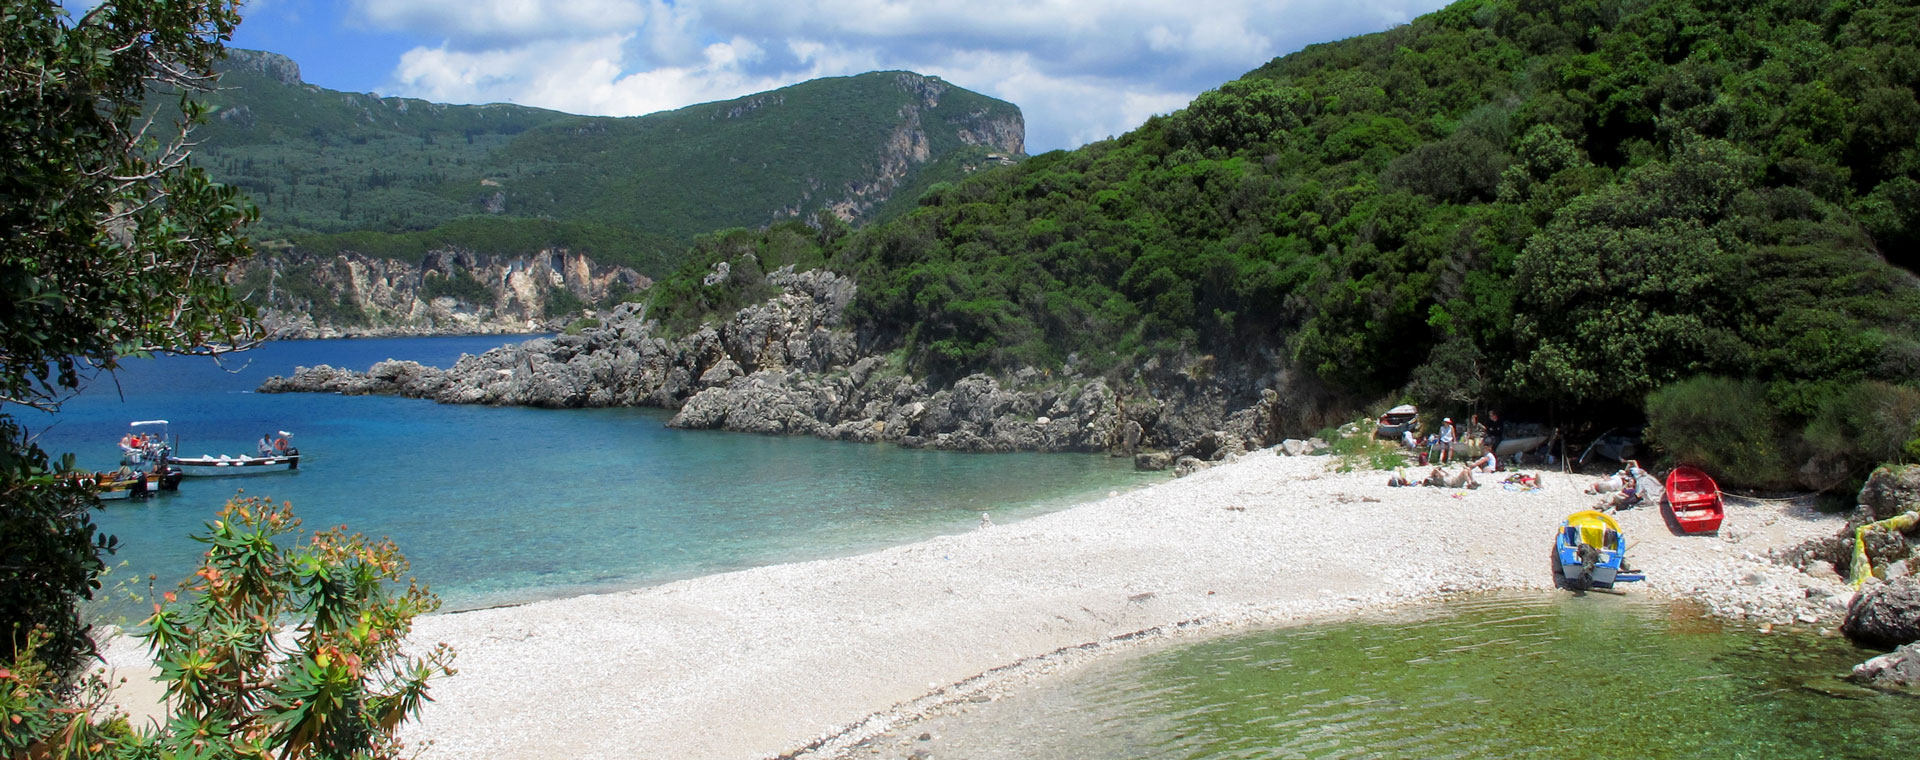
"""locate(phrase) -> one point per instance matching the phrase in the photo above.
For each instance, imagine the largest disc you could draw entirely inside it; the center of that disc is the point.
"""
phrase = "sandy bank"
(771, 660)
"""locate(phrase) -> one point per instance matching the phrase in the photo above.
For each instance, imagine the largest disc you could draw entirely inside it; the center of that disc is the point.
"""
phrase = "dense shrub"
(461, 286)
(1722, 425)
(1867, 424)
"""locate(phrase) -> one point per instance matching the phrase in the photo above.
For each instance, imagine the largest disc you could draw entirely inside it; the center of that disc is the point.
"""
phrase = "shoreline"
(807, 659)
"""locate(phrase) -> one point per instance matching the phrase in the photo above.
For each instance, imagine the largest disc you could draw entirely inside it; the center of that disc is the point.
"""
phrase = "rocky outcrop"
(1885, 614)
(792, 366)
(1891, 490)
(448, 292)
(1898, 669)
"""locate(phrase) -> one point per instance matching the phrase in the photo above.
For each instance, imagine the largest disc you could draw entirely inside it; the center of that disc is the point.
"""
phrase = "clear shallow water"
(1494, 677)
(498, 505)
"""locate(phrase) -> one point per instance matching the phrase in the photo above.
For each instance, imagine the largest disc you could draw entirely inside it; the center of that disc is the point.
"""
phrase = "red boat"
(1695, 500)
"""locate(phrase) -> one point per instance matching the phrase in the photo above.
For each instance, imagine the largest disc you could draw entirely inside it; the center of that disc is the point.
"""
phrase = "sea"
(505, 505)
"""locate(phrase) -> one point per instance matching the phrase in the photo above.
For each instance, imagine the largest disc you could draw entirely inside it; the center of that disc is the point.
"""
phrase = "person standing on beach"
(1446, 440)
(1496, 430)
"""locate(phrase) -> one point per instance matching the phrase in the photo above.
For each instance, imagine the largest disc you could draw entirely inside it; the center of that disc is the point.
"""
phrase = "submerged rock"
(1898, 669)
(1885, 614)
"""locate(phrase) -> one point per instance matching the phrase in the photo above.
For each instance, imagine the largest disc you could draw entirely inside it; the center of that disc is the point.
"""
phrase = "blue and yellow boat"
(1590, 552)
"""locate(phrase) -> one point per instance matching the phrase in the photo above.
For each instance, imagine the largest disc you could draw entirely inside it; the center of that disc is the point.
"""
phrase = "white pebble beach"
(810, 658)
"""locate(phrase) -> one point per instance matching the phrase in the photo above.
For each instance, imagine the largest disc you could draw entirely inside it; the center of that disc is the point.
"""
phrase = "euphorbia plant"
(291, 649)
(280, 646)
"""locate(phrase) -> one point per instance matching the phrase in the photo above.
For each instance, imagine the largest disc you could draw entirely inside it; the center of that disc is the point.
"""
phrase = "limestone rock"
(1891, 490)
(1886, 614)
(1898, 669)
(1152, 461)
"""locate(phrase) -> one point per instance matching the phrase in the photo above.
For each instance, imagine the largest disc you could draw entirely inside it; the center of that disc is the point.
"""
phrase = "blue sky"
(1080, 71)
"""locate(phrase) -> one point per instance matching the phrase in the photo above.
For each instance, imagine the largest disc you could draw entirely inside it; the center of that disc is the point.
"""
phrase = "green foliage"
(685, 299)
(113, 248)
(501, 236)
(397, 177)
(460, 286)
(1570, 206)
(50, 554)
(1866, 424)
(274, 648)
(561, 302)
(1724, 426)
(1354, 446)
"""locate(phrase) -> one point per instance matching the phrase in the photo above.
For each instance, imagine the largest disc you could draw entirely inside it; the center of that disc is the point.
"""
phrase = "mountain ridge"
(335, 171)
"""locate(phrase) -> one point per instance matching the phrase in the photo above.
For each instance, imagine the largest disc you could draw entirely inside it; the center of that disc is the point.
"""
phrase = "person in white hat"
(1446, 440)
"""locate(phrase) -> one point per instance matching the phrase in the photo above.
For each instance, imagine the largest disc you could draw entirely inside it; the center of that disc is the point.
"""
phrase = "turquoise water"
(501, 505)
(1501, 676)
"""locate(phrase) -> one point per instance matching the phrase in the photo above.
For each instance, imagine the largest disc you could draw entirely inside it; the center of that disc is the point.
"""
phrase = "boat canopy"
(143, 423)
(1593, 526)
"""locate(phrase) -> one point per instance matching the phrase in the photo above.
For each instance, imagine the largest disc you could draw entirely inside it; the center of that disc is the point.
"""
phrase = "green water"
(1493, 677)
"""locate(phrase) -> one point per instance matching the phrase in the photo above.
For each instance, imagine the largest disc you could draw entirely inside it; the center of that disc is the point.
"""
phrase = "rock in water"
(1886, 614)
(1898, 669)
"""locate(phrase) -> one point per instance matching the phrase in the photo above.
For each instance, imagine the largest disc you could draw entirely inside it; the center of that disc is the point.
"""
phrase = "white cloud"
(500, 21)
(1079, 70)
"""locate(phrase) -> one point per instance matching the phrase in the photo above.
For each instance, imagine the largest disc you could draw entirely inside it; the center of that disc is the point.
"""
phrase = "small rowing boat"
(1590, 552)
(1695, 500)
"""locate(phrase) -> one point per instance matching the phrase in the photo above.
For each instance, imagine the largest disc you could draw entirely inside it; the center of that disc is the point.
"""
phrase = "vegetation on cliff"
(397, 177)
(1568, 205)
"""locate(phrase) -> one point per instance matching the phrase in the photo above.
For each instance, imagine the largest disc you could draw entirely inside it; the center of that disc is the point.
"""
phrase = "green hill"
(396, 177)
(1566, 206)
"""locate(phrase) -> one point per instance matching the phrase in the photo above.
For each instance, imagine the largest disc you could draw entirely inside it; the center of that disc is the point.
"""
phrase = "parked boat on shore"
(1590, 552)
(1695, 500)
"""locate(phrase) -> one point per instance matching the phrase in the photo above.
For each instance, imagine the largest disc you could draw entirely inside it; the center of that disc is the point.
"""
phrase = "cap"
(1448, 419)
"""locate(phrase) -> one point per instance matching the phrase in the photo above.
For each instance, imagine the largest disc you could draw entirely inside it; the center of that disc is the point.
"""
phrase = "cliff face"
(449, 292)
(908, 146)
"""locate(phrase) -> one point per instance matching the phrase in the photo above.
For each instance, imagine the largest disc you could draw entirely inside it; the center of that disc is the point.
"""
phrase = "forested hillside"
(396, 177)
(1568, 206)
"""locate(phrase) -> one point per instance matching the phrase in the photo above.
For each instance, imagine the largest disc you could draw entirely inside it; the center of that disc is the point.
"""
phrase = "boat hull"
(1608, 550)
(218, 467)
(1694, 499)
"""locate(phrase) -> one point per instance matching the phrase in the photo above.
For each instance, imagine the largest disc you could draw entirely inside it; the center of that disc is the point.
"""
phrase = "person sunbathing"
(1439, 478)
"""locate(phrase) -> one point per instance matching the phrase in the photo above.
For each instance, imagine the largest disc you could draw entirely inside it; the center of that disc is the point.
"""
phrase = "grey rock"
(1188, 465)
(1891, 490)
(1898, 669)
(1886, 614)
(1152, 461)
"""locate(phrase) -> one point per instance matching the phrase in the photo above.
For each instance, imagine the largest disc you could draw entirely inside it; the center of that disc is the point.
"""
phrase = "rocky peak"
(928, 89)
(274, 65)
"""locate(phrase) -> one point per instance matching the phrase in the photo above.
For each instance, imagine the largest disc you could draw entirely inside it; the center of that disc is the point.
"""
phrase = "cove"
(1493, 676)
(501, 505)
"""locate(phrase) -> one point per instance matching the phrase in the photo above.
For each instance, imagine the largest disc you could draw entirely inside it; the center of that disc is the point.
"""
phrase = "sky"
(1080, 71)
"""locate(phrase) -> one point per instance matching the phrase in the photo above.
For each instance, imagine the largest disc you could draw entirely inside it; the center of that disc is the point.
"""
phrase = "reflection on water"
(1496, 676)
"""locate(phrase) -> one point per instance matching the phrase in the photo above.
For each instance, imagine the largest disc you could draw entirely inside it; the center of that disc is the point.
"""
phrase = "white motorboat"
(283, 459)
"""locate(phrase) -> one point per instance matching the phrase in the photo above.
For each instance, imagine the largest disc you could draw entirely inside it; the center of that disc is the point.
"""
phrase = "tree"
(114, 246)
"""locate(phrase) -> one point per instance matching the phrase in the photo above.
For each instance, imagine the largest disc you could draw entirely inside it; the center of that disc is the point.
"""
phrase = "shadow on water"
(1494, 676)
